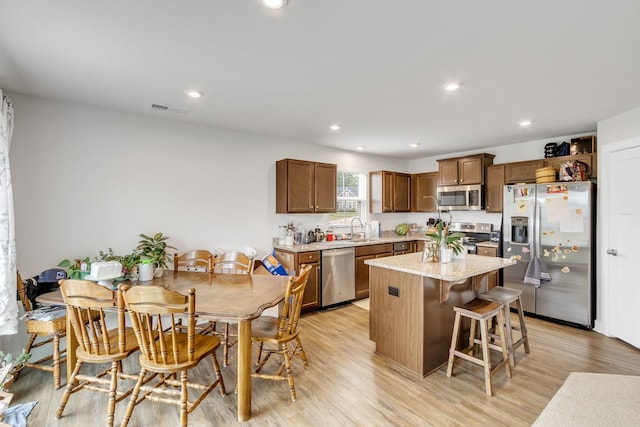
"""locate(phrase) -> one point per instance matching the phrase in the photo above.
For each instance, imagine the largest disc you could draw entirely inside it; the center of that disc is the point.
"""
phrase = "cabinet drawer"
(309, 257)
(374, 249)
(487, 251)
(401, 246)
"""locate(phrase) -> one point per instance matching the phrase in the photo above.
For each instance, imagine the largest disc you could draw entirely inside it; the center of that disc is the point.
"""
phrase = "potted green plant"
(10, 366)
(451, 240)
(129, 261)
(155, 248)
(76, 269)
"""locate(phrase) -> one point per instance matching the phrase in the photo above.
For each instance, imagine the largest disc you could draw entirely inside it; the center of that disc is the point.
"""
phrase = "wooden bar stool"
(480, 310)
(507, 296)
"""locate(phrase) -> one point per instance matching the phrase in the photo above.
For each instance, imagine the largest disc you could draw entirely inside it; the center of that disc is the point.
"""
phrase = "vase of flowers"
(450, 243)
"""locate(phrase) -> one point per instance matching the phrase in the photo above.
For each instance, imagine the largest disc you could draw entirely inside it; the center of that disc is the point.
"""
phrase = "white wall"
(87, 179)
(614, 130)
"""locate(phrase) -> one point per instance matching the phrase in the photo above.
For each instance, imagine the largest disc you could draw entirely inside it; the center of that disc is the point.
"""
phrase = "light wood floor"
(347, 385)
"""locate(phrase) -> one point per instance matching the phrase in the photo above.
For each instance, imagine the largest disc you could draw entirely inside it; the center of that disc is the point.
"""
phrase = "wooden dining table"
(225, 297)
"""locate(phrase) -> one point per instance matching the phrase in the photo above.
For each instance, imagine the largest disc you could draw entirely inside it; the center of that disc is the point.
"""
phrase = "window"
(351, 198)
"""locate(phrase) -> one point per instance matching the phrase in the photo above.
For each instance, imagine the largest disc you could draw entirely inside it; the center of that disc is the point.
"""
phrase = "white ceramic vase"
(446, 255)
(145, 272)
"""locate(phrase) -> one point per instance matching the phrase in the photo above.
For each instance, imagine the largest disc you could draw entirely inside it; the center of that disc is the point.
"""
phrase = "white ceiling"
(376, 67)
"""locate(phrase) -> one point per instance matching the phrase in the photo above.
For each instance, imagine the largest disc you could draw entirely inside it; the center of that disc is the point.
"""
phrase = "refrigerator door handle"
(537, 214)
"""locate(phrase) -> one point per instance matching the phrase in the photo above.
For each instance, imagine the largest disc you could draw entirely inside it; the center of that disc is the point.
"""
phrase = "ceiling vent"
(168, 109)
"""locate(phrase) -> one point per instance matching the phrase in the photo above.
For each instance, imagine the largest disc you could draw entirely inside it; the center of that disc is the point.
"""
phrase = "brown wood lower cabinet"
(364, 253)
(492, 279)
(292, 262)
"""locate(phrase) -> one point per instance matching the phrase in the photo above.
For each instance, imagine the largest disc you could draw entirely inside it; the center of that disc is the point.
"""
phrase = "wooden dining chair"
(233, 263)
(41, 333)
(88, 305)
(194, 260)
(168, 351)
(277, 335)
(230, 263)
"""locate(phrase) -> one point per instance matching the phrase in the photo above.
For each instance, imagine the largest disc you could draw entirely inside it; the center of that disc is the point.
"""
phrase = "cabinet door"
(362, 276)
(470, 171)
(448, 172)
(516, 172)
(424, 187)
(311, 298)
(494, 188)
(387, 192)
(492, 278)
(325, 187)
(295, 186)
(401, 192)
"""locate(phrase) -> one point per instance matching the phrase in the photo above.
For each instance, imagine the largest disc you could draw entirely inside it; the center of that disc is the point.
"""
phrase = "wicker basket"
(547, 174)
(47, 327)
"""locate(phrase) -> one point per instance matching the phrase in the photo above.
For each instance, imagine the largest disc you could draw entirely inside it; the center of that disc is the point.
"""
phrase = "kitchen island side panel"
(413, 328)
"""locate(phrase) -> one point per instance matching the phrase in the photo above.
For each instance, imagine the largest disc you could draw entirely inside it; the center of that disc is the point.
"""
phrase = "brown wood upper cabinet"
(590, 159)
(464, 170)
(516, 172)
(390, 192)
(305, 187)
(494, 188)
(424, 187)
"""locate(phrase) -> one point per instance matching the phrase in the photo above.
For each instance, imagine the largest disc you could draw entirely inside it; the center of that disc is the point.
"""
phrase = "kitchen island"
(411, 305)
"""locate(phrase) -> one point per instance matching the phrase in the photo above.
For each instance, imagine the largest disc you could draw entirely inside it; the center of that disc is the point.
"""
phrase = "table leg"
(244, 370)
(72, 345)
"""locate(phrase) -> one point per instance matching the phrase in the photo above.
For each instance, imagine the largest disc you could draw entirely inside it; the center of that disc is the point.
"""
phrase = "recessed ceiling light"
(335, 126)
(452, 86)
(195, 94)
(415, 145)
(360, 148)
(274, 4)
(525, 123)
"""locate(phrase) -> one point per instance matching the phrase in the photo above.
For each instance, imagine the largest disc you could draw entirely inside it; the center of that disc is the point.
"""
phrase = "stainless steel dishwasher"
(338, 276)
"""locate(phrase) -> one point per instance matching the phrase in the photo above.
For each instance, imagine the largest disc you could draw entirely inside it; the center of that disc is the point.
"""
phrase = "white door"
(622, 237)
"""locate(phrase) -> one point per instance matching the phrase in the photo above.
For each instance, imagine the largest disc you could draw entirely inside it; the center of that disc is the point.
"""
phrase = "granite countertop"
(471, 265)
(336, 244)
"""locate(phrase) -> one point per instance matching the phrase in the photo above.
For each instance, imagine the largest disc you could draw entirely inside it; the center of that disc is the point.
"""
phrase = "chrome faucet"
(359, 220)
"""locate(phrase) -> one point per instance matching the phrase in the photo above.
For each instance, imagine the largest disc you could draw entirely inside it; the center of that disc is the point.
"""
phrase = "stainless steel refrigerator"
(553, 222)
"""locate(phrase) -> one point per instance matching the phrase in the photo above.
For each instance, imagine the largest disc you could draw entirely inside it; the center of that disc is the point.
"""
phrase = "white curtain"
(8, 304)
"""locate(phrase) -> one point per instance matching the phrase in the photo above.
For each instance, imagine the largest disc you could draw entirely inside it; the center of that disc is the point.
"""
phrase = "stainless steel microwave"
(460, 197)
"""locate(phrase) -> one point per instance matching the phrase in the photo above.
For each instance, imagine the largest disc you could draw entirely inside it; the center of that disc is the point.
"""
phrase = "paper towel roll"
(375, 229)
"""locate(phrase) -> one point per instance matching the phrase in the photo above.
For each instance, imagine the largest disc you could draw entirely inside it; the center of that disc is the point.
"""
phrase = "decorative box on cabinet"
(424, 192)
(292, 262)
(305, 187)
(390, 192)
(364, 253)
(464, 170)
